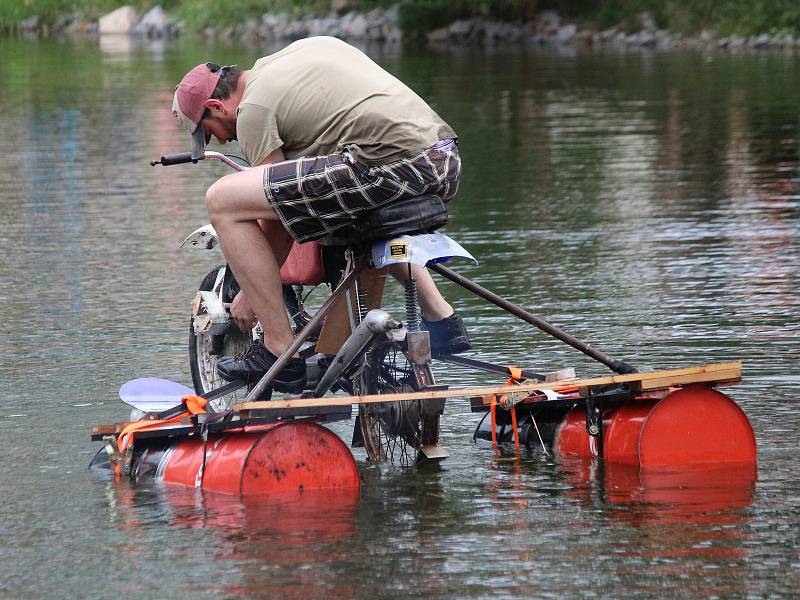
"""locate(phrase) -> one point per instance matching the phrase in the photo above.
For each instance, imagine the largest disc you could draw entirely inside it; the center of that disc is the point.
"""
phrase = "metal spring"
(298, 291)
(412, 314)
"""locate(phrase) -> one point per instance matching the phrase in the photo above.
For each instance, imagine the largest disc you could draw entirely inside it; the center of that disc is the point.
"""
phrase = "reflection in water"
(118, 46)
(700, 515)
(681, 495)
(303, 534)
(640, 498)
(671, 526)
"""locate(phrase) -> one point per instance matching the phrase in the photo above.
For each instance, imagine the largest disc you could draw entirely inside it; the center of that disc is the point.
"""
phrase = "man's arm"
(273, 157)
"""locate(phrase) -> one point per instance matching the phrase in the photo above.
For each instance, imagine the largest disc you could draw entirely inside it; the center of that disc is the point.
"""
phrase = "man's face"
(221, 120)
(222, 127)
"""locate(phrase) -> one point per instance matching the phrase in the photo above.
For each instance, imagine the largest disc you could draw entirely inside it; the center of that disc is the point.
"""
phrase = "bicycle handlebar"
(186, 157)
(175, 159)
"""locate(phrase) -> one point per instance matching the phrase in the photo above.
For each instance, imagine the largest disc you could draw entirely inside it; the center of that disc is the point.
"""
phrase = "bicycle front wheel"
(206, 349)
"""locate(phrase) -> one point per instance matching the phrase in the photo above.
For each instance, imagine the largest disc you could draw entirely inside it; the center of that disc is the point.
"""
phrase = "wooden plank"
(101, 430)
(720, 372)
(336, 328)
(732, 375)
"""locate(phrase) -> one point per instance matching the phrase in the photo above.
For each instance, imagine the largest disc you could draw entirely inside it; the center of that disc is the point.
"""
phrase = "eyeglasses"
(214, 67)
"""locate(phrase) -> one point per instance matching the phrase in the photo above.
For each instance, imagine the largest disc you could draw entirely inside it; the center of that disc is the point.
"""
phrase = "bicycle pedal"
(418, 346)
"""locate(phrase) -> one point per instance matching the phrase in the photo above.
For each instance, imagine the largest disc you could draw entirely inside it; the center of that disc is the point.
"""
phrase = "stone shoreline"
(379, 25)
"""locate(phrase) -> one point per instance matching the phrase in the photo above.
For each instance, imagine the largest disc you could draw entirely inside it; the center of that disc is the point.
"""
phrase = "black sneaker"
(448, 336)
(253, 363)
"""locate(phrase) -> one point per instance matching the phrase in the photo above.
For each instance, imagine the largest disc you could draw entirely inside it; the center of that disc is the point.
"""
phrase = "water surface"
(645, 202)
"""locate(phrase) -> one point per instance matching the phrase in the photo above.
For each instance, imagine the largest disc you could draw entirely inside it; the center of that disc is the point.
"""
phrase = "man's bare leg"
(235, 204)
(434, 306)
(447, 332)
(278, 238)
(241, 311)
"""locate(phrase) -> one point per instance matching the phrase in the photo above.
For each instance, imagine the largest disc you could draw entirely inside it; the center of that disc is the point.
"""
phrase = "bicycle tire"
(395, 432)
(203, 361)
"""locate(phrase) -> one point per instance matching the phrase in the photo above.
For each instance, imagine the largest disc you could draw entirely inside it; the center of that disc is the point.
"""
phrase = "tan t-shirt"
(320, 95)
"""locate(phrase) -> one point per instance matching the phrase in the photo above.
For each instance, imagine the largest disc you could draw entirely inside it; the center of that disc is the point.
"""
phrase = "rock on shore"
(379, 25)
(549, 30)
(123, 21)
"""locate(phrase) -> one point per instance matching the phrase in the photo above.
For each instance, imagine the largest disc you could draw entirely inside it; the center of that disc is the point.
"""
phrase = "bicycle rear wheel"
(395, 432)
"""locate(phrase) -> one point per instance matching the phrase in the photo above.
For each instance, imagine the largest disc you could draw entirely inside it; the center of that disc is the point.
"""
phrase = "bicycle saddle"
(420, 214)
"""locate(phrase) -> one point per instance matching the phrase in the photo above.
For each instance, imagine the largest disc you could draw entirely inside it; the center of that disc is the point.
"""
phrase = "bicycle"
(378, 355)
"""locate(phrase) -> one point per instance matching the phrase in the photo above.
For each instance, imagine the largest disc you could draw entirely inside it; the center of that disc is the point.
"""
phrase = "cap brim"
(199, 142)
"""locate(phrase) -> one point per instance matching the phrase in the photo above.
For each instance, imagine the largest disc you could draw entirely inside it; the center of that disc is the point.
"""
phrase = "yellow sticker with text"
(398, 250)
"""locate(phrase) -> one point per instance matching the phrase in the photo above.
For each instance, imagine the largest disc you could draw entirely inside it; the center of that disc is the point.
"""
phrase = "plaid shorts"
(315, 196)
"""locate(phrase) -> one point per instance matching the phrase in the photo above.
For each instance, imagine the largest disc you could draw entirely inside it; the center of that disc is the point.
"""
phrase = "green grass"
(725, 17)
(199, 14)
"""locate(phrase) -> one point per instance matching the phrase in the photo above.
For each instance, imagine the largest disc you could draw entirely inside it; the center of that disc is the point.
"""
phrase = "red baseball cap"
(188, 105)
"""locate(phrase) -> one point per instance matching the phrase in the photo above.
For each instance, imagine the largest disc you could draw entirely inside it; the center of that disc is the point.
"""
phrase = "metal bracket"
(594, 421)
(419, 347)
(122, 460)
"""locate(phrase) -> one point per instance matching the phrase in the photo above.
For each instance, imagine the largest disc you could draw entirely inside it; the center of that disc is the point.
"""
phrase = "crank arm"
(225, 389)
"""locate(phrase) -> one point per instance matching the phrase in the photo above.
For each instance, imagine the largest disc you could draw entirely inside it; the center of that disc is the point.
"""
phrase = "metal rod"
(225, 159)
(617, 366)
(323, 311)
(485, 366)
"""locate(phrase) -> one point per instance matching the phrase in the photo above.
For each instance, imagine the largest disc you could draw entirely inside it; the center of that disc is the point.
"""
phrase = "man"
(330, 135)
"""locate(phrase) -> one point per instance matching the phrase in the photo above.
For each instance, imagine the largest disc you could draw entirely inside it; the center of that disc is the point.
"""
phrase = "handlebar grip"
(174, 159)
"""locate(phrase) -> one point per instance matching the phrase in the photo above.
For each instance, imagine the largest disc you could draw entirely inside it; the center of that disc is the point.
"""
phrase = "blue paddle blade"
(152, 394)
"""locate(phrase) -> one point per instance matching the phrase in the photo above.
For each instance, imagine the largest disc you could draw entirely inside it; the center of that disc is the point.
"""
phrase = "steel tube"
(375, 323)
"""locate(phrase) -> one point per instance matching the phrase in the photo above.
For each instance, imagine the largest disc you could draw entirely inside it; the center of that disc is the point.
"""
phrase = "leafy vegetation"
(199, 14)
(725, 17)
(51, 11)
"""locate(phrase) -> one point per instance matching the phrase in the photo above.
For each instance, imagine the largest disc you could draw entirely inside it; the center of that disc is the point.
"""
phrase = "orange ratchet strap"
(194, 405)
(515, 376)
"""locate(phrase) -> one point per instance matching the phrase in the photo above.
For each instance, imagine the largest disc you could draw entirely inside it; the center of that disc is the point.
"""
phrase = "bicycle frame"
(364, 326)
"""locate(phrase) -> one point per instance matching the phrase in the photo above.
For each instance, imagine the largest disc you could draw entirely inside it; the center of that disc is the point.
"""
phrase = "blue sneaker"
(448, 336)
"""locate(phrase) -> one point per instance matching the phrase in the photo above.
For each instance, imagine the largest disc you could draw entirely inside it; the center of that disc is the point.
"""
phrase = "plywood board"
(336, 328)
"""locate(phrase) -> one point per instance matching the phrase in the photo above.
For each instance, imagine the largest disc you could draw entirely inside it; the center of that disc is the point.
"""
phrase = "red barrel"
(692, 426)
(266, 459)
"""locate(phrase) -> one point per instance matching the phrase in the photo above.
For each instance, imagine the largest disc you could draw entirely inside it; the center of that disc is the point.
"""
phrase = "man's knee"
(238, 197)
(215, 199)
